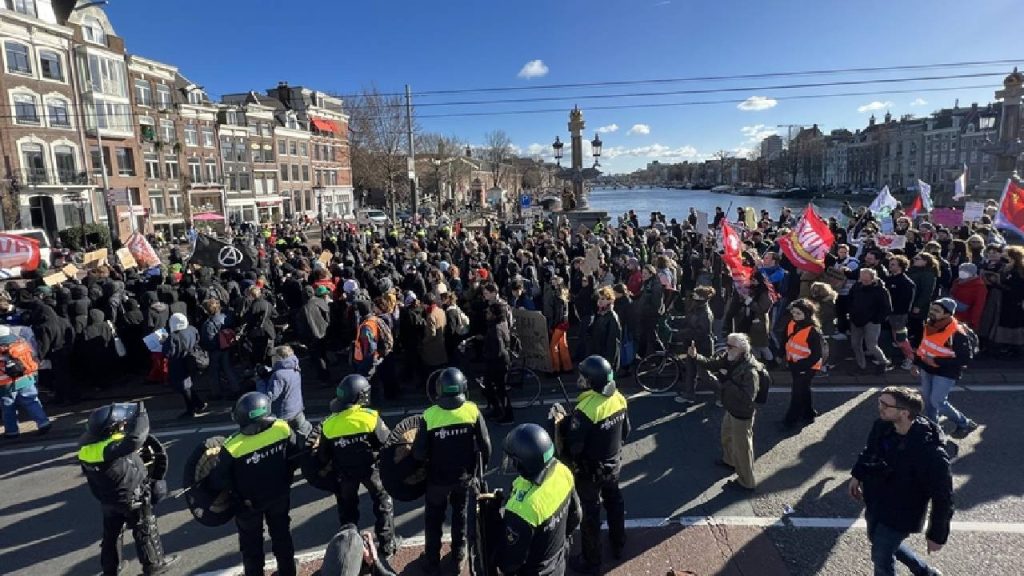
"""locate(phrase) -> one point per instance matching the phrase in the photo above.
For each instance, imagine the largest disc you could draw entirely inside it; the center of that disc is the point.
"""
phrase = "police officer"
(351, 439)
(453, 441)
(256, 464)
(542, 509)
(597, 429)
(109, 455)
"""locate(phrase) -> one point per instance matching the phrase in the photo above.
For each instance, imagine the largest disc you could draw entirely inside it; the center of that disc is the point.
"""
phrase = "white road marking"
(686, 521)
(171, 432)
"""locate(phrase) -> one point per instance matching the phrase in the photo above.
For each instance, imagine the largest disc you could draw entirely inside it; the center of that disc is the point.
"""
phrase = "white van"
(44, 250)
(371, 216)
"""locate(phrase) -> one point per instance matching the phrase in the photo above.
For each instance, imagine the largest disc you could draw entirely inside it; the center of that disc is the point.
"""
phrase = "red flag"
(19, 252)
(732, 247)
(808, 243)
(1011, 208)
(916, 207)
(141, 251)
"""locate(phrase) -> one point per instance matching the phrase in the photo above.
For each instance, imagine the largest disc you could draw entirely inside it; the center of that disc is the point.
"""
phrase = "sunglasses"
(885, 404)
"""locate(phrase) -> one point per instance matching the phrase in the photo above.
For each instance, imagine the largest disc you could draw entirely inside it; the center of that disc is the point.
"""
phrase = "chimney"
(284, 94)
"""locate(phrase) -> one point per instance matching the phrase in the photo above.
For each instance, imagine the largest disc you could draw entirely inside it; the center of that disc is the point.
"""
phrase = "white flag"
(960, 185)
(884, 203)
(925, 190)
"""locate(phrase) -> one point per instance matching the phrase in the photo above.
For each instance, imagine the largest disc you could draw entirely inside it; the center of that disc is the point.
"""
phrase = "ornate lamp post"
(557, 146)
(319, 190)
(595, 145)
(576, 173)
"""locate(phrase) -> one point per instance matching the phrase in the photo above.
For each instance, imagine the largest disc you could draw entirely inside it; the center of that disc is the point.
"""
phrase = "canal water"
(676, 203)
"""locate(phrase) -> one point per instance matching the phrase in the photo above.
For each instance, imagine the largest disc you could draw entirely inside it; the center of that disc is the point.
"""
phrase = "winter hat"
(178, 322)
(948, 304)
(322, 290)
(444, 266)
(409, 298)
(350, 286)
(970, 268)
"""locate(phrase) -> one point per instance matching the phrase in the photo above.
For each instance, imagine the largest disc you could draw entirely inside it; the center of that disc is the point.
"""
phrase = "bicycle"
(659, 372)
(521, 382)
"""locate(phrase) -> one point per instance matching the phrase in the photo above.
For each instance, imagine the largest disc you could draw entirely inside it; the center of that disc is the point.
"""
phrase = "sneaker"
(201, 409)
(685, 399)
(161, 568)
(44, 430)
(907, 364)
(962, 431)
(735, 486)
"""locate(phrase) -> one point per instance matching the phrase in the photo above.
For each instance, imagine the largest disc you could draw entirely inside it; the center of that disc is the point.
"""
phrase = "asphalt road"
(51, 523)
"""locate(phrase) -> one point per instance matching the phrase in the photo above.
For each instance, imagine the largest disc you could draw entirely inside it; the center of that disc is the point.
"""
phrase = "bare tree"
(498, 151)
(378, 143)
(722, 156)
(444, 153)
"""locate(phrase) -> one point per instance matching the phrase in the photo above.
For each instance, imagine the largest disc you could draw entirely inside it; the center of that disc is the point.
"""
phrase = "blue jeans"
(28, 400)
(935, 390)
(887, 547)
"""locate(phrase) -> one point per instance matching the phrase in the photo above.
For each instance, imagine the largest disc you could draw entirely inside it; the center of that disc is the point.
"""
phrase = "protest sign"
(124, 256)
(532, 330)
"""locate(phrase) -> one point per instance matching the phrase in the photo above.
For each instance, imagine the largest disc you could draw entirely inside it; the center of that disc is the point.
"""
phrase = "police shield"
(154, 456)
(208, 508)
(404, 477)
(319, 474)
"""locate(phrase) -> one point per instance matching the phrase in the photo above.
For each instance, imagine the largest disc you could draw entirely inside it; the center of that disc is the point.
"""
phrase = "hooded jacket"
(902, 474)
(284, 387)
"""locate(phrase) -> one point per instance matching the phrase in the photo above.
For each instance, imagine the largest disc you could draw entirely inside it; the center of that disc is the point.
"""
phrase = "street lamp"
(595, 145)
(468, 151)
(557, 146)
(319, 190)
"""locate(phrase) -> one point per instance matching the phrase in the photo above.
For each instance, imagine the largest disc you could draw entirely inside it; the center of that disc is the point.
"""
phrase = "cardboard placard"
(532, 330)
(54, 279)
(325, 257)
(973, 210)
(592, 260)
(702, 222)
(95, 258)
(71, 271)
(124, 256)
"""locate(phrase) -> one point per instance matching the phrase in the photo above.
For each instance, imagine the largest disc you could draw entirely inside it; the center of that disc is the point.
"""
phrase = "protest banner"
(71, 271)
(592, 260)
(142, 251)
(124, 256)
(95, 258)
(948, 217)
(54, 279)
(532, 330)
(973, 210)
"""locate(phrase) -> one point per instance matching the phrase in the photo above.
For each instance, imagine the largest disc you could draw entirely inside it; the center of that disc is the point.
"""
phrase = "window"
(293, 148)
(191, 136)
(98, 163)
(107, 76)
(211, 171)
(147, 128)
(57, 111)
(987, 123)
(64, 162)
(163, 96)
(152, 166)
(50, 65)
(305, 173)
(156, 202)
(27, 7)
(109, 116)
(125, 162)
(243, 181)
(174, 204)
(143, 93)
(284, 172)
(225, 148)
(316, 151)
(231, 117)
(240, 150)
(290, 121)
(295, 172)
(92, 30)
(17, 58)
(195, 170)
(171, 164)
(167, 132)
(282, 147)
(34, 163)
(208, 141)
(303, 149)
(25, 109)
(195, 97)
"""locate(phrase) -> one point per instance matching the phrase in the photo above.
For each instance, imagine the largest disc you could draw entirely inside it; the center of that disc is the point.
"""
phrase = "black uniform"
(351, 439)
(538, 521)
(598, 428)
(258, 469)
(118, 479)
(451, 441)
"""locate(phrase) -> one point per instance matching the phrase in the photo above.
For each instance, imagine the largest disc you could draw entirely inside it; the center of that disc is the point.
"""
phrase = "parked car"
(371, 216)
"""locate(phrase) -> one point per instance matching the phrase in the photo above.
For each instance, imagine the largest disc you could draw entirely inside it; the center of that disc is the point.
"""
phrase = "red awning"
(325, 125)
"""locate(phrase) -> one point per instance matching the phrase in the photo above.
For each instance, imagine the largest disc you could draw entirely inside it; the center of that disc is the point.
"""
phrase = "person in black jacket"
(605, 332)
(903, 467)
(869, 305)
(804, 356)
(496, 344)
(902, 293)
(109, 456)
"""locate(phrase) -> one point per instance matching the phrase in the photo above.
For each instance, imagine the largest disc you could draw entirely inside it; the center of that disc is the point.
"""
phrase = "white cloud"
(639, 129)
(757, 132)
(872, 106)
(918, 102)
(652, 151)
(534, 69)
(536, 149)
(755, 103)
(608, 128)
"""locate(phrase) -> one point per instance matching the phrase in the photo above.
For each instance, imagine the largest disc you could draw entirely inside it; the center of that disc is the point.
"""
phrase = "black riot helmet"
(451, 388)
(104, 420)
(598, 374)
(252, 412)
(353, 389)
(530, 450)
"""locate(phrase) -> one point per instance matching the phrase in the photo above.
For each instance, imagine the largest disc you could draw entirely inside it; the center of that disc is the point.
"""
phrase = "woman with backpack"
(218, 338)
(179, 348)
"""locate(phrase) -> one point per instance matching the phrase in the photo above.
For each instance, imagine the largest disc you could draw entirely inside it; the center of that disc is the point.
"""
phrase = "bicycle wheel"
(658, 372)
(432, 386)
(523, 387)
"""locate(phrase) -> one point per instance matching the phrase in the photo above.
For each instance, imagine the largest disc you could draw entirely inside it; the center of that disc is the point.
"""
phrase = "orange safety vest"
(19, 350)
(936, 344)
(797, 347)
(357, 349)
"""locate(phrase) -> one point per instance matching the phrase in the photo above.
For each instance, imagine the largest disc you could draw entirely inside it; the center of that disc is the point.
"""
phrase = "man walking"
(869, 306)
(18, 371)
(941, 357)
(903, 467)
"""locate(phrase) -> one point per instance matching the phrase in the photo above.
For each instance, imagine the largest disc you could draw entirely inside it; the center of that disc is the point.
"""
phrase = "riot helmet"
(598, 375)
(107, 419)
(252, 412)
(451, 388)
(529, 450)
(353, 389)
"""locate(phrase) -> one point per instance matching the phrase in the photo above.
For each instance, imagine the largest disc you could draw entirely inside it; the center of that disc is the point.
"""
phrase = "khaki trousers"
(738, 448)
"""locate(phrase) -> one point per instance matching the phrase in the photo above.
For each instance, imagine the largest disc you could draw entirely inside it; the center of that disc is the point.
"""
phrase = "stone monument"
(1008, 149)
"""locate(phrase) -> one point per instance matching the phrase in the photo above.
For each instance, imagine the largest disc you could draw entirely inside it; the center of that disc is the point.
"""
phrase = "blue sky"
(343, 46)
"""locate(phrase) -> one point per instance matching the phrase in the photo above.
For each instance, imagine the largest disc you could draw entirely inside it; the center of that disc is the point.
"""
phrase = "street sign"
(525, 200)
(119, 197)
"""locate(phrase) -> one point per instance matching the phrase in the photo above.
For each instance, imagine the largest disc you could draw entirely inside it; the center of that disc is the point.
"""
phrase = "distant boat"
(722, 189)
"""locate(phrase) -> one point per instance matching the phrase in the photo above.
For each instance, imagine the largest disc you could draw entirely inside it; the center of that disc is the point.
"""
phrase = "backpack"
(458, 320)
(764, 383)
(973, 342)
(385, 338)
(198, 361)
